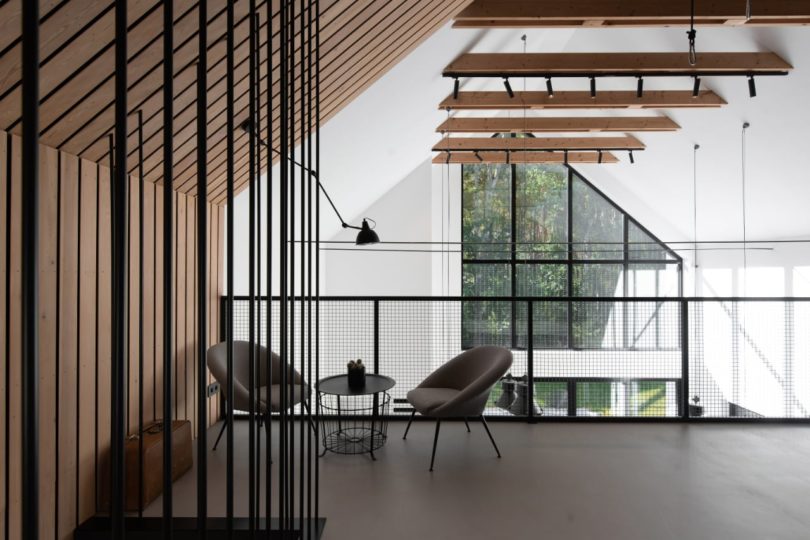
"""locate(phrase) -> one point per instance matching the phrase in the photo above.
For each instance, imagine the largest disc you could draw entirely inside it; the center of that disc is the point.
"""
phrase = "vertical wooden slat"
(88, 341)
(190, 310)
(3, 336)
(69, 293)
(148, 301)
(104, 340)
(4, 362)
(220, 281)
(158, 302)
(15, 345)
(213, 301)
(48, 221)
(180, 309)
(134, 308)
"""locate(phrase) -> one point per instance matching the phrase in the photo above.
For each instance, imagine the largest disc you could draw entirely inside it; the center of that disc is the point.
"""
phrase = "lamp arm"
(345, 225)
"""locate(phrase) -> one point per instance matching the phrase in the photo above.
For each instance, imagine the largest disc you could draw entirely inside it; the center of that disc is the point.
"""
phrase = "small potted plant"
(357, 374)
(695, 410)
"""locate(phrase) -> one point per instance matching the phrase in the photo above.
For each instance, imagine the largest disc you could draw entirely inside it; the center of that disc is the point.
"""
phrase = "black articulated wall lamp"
(365, 236)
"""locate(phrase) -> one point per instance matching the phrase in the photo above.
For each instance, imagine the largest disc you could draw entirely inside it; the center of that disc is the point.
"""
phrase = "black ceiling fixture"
(549, 88)
(640, 87)
(508, 87)
(752, 87)
(593, 87)
(696, 87)
(455, 88)
(366, 234)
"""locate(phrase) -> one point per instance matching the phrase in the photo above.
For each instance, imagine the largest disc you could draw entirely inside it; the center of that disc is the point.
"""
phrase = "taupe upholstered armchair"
(460, 389)
(218, 364)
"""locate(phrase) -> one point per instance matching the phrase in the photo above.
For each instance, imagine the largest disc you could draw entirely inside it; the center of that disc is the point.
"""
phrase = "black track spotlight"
(752, 86)
(455, 88)
(599, 158)
(696, 88)
(640, 88)
(593, 87)
(565, 157)
(478, 156)
(447, 159)
(549, 87)
(508, 87)
(508, 160)
(632, 159)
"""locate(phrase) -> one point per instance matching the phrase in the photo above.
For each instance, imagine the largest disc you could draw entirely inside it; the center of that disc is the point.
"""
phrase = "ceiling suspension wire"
(745, 127)
(695, 264)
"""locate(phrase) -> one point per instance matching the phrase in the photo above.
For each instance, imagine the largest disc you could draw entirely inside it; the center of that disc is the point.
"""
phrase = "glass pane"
(641, 245)
(550, 318)
(484, 322)
(486, 213)
(627, 398)
(597, 325)
(603, 280)
(552, 398)
(541, 213)
(550, 322)
(598, 226)
(652, 280)
(542, 280)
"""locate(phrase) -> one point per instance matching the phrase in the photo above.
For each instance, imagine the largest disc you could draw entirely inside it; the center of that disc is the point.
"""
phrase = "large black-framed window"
(543, 230)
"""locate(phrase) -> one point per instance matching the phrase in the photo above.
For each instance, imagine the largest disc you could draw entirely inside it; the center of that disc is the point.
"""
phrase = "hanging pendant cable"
(692, 34)
(748, 10)
(694, 215)
(745, 127)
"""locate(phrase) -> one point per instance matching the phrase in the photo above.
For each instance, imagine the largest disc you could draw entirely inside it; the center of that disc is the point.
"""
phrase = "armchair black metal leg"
(466, 424)
(483, 421)
(409, 425)
(435, 440)
(221, 431)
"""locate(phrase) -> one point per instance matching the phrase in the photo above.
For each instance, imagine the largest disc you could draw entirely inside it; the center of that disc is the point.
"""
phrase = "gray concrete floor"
(555, 481)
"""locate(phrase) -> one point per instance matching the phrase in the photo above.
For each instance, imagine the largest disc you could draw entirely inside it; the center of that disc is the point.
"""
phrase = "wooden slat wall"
(74, 320)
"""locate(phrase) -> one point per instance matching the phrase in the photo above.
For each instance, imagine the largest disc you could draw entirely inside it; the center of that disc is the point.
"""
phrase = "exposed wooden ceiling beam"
(524, 157)
(481, 144)
(666, 99)
(557, 124)
(610, 13)
(612, 64)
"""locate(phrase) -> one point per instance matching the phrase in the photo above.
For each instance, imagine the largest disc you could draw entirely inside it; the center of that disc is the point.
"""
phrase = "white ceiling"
(388, 131)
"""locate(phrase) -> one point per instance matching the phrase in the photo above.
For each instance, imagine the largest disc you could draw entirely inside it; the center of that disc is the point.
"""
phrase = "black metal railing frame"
(685, 307)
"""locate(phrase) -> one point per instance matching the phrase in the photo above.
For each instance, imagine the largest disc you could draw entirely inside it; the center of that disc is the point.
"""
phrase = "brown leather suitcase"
(153, 462)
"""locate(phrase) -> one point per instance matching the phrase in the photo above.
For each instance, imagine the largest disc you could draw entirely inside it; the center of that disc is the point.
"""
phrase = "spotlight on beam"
(508, 87)
(565, 157)
(549, 87)
(752, 86)
(593, 87)
(632, 159)
(599, 159)
(696, 88)
(455, 88)
(508, 154)
(478, 156)
(640, 88)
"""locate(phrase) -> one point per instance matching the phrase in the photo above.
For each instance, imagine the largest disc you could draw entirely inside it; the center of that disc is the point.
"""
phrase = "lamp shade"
(366, 235)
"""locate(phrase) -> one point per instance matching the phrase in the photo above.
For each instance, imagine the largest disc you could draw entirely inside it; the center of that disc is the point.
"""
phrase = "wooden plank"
(190, 308)
(103, 374)
(4, 185)
(89, 285)
(557, 124)
(550, 13)
(48, 272)
(148, 301)
(159, 288)
(134, 307)
(524, 157)
(69, 317)
(612, 99)
(565, 64)
(213, 298)
(179, 345)
(468, 144)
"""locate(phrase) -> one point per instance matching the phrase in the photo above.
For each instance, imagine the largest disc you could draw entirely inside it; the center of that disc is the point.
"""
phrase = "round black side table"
(354, 420)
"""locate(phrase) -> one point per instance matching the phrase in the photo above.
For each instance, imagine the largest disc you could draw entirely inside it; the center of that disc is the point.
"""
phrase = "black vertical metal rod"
(168, 247)
(140, 312)
(291, 363)
(530, 359)
(685, 359)
(252, 272)
(283, 250)
(257, 122)
(317, 99)
(302, 264)
(269, 255)
(30, 270)
(229, 265)
(120, 191)
(311, 450)
(202, 270)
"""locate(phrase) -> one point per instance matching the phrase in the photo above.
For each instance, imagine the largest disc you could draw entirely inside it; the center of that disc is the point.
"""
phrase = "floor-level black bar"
(202, 270)
(30, 271)
(168, 195)
(120, 192)
(97, 528)
(229, 263)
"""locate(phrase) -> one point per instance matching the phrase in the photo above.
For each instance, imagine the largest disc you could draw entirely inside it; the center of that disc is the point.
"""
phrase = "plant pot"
(695, 411)
(357, 378)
